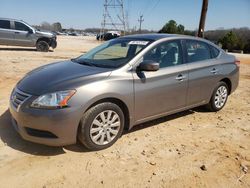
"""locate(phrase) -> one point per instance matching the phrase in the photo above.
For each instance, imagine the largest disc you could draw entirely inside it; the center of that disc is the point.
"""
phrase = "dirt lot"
(167, 152)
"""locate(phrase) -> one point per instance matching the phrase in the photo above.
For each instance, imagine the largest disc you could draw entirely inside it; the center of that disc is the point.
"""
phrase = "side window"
(215, 52)
(4, 24)
(197, 51)
(21, 27)
(167, 54)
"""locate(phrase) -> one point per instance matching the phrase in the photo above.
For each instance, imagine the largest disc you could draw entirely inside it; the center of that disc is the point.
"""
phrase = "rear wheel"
(101, 126)
(42, 46)
(219, 97)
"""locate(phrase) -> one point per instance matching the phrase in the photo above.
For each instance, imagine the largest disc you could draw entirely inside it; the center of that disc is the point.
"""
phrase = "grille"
(18, 97)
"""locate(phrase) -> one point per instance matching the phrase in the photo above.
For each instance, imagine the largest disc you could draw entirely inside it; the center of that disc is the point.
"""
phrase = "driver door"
(22, 34)
(163, 91)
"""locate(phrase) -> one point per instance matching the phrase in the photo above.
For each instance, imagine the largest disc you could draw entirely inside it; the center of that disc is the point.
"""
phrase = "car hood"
(45, 33)
(60, 76)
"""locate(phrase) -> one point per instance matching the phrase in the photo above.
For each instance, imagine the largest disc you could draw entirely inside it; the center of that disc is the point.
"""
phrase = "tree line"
(230, 39)
(56, 27)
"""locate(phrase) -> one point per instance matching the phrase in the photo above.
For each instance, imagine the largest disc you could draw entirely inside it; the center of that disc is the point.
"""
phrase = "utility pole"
(203, 18)
(113, 16)
(140, 20)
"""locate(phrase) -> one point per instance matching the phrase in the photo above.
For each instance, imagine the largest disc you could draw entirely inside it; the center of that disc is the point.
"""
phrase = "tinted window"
(4, 24)
(215, 52)
(197, 51)
(167, 54)
(20, 26)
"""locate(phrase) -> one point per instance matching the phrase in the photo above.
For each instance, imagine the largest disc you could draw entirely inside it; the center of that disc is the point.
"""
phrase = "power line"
(140, 20)
(153, 7)
(147, 7)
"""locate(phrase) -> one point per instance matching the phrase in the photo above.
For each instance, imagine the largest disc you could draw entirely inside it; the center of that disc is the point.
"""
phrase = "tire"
(218, 101)
(42, 46)
(101, 126)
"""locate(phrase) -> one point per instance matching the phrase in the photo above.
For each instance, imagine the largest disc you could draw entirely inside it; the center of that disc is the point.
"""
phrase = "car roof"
(158, 36)
(10, 19)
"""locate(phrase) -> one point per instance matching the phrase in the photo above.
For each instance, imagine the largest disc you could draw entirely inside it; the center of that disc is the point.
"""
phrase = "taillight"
(237, 62)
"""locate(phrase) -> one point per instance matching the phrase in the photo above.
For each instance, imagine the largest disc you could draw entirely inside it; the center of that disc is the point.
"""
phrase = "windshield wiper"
(84, 63)
(106, 66)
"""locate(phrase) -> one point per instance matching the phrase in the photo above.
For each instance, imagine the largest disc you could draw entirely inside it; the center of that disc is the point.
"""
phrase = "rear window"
(214, 51)
(197, 51)
(4, 24)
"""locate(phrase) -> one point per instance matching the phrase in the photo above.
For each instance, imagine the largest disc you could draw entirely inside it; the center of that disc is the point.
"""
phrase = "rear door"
(162, 91)
(23, 34)
(6, 33)
(204, 72)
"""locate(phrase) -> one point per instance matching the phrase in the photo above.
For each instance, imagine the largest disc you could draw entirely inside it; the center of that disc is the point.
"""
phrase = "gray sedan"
(122, 83)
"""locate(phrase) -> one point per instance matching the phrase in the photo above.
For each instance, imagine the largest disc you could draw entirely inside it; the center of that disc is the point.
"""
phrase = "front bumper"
(49, 127)
(53, 43)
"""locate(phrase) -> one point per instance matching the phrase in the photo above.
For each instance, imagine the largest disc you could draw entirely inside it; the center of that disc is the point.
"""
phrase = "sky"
(83, 14)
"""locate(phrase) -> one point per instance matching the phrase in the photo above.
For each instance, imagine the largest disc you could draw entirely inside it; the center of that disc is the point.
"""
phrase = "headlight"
(53, 100)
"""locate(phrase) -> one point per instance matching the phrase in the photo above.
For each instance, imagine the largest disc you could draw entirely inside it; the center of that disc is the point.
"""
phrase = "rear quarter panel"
(229, 70)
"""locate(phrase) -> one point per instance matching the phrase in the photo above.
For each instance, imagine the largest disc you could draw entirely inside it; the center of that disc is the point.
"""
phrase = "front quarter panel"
(118, 85)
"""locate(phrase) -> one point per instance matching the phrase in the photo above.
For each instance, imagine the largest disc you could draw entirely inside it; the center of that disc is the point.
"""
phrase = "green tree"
(240, 44)
(170, 27)
(247, 47)
(180, 29)
(230, 41)
(173, 28)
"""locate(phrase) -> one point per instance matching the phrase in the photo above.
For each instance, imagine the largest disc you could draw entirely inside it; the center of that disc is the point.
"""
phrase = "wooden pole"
(203, 18)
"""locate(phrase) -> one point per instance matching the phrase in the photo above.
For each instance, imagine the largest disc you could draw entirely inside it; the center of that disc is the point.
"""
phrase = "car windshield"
(114, 53)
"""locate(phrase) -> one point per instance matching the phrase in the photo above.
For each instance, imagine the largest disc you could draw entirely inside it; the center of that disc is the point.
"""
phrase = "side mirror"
(30, 31)
(148, 65)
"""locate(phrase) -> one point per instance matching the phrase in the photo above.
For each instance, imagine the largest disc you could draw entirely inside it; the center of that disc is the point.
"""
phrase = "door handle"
(214, 71)
(180, 77)
(16, 32)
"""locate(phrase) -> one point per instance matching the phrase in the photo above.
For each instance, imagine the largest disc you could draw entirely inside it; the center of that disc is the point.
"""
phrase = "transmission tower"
(113, 16)
(140, 20)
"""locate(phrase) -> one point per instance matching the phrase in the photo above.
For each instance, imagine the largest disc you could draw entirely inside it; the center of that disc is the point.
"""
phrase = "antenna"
(114, 16)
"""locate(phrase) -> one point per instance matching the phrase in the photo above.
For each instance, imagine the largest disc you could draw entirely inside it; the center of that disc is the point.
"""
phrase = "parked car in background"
(72, 34)
(122, 83)
(108, 35)
(18, 33)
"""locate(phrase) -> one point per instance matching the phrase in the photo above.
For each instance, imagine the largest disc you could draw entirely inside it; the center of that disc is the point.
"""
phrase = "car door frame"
(212, 70)
(22, 38)
(165, 71)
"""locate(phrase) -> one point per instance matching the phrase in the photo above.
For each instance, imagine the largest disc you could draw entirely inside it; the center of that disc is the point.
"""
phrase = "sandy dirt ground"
(168, 152)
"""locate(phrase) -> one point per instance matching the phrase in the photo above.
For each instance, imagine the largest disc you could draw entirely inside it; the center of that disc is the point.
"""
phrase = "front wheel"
(42, 46)
(101, 126)
(219, 97)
